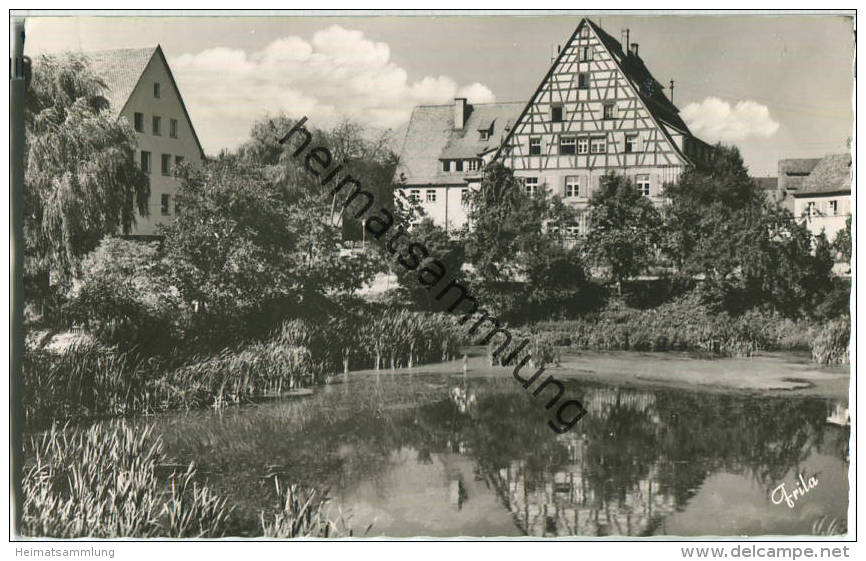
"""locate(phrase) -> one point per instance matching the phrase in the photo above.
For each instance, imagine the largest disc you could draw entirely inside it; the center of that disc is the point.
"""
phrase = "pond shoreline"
(769, 373)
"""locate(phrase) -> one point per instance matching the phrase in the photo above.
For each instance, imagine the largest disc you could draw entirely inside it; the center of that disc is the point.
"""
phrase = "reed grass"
(830, 346)
(302, 514)
(103, 482)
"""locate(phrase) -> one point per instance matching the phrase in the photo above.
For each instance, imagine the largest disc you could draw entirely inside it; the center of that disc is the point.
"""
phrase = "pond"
(433, 454)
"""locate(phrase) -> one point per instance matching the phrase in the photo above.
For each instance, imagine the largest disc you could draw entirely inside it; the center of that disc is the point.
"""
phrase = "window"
(572, 186)
(178, 160)
(145, 161)
(446, 165)
(464, 196)
(458, 165)
(583, 145)
(485, 135)
(534, 146)
(630, 143)
(431, 195)
(572, 231)
(415, 195)
(556, 113)
(172, 128)
(139, 122)
(833, 207)
(164, 204)
(531, 184)
(166, 164)
(585, 54)
(583, 80)
(567, 144)
(473, 164)
(643, 185)
(584, 32)
(156, 89)
(156, 125)
(599, 145)
(810, 209)
(608, 111)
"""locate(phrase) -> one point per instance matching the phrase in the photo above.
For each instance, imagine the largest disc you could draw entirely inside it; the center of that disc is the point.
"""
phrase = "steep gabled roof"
(646, 86)
(121, 70)
(832, 174)
(651, 93)
(431, 137)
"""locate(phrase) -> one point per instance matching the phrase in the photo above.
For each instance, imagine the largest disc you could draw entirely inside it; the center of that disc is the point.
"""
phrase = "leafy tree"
(81, 181)
(748, 251)
(625, 228)
(125, 296)
(363, 154)
(510, 227)
(700, 208)
(249, 252)
(517, 244)
(448, 251)
(842, 242)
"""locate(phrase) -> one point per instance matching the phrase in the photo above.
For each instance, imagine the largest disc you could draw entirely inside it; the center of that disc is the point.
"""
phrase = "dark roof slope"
(431, 137)
(832, 174)
(120, 69)
(647, 87)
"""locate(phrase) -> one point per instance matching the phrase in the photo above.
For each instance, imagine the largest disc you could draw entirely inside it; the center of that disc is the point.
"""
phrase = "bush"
(123, 297)
(832, 342)
(684, 324)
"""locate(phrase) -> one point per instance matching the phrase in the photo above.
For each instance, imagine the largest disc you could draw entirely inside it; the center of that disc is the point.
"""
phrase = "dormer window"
(484, 135)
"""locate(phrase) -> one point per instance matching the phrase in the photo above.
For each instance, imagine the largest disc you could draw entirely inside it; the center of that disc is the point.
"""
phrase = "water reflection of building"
(567, 503)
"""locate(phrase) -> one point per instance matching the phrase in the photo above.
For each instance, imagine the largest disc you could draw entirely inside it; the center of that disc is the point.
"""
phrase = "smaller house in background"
(822, 198)
(792, 173)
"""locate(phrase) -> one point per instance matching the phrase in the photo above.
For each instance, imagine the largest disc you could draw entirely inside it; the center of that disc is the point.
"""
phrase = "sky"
(775, 86)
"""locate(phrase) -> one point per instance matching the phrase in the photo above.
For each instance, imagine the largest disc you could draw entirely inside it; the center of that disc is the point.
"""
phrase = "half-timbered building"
(597, 110)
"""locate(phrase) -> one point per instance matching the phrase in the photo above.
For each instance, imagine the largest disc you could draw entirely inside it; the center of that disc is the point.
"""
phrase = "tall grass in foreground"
(301, 513)
(102, 482)
(97, 482)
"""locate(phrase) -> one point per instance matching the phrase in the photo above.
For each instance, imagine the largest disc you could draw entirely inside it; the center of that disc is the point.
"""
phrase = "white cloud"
(715, 119)
(338, 73)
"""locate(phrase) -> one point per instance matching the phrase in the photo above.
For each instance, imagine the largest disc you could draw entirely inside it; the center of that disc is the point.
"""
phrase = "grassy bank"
(91, 380)
(111, 481)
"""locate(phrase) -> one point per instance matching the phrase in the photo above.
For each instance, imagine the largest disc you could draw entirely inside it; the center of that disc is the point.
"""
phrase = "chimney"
(459, 113)
(634, 49)
(624, 41)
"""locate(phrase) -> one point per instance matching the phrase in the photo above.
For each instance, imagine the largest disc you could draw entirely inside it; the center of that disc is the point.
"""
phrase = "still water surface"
(404, 453)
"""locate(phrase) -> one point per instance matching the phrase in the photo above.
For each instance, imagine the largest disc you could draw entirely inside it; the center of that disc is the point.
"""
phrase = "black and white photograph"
(476, 275)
